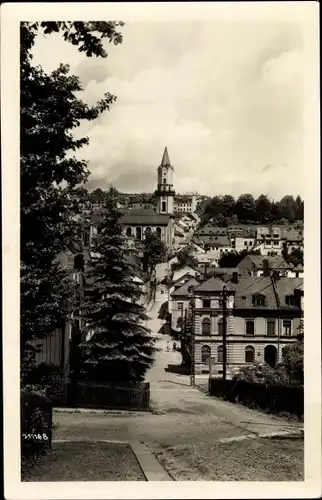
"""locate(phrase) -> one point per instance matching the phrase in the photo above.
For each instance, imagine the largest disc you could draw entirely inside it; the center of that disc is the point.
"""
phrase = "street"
(187, 427)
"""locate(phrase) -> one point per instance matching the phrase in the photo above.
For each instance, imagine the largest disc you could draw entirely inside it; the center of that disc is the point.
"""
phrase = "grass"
(87, 461)
(259, 459)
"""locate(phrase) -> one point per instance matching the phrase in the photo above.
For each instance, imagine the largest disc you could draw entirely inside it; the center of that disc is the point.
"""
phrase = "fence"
(274, 398)
(89, 394)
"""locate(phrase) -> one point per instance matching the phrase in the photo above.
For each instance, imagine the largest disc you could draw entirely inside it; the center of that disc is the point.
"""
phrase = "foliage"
(225, 210)
(36, 424)
(50, 379)
(154, 252)
(185, 258)
(232, 259)
(274, 398)
(119, 346)
(50, 173)
(263, 373)
(293, 357)
(296, 257)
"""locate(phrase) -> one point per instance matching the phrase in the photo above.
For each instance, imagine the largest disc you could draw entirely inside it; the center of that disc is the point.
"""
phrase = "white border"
(307, 14)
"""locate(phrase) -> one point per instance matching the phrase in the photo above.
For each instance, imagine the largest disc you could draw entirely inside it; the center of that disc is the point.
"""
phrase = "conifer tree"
(119, 347)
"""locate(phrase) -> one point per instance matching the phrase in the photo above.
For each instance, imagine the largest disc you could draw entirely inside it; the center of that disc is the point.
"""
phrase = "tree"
(299, 208)
(232, 259)
(245, 208)
(154, 252)
(263, 208)
(50, 173)
(296, 257)
(293, 357)
(120, 348)
(185, 258)
(288, 208)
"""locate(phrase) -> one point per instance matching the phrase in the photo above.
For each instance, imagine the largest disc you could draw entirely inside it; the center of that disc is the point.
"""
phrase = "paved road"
(185, 415)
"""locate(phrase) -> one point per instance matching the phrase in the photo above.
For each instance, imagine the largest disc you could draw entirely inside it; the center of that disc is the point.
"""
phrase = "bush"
(293, 356)
(274, 398)
(50, 380)
(263, 373)
(36, 424)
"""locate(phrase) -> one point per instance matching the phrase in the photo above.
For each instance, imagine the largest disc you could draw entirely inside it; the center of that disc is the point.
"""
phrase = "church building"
(140, 221)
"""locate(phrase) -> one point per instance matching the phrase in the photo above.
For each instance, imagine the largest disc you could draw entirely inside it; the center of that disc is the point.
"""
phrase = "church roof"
(146, 217)
(165, 162)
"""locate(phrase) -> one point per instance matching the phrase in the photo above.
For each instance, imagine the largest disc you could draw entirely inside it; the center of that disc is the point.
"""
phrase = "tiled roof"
(178, 275)
(145, 216)
(249, 286)
(286, 286)
(217, 241)
(292, 234)
(274, 261)
(184, 289)
(213, 285)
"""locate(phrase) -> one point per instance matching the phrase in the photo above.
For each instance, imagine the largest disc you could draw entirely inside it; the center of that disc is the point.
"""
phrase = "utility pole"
(224, 340)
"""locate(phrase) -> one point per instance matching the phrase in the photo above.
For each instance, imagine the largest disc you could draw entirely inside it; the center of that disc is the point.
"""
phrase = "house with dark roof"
(180, 298)
(264, 314)
(254, 265)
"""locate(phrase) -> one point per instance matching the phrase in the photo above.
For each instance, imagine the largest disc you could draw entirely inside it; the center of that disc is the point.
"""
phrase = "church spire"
(165, 162)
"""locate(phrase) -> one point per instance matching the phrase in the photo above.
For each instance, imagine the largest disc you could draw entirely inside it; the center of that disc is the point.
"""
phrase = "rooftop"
(145, 216)
(184, 289)
(213, 285)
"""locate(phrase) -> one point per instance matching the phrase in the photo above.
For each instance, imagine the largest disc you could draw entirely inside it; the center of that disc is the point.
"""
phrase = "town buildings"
(263, 315)
(138, 222)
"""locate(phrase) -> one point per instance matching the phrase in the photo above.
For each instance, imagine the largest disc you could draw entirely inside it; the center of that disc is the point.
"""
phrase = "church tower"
(165, 190)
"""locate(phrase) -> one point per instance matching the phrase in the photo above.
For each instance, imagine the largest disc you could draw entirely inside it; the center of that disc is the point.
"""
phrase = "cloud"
(226, 98)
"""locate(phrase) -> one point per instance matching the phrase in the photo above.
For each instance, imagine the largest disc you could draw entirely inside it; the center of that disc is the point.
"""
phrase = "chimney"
(265, 267)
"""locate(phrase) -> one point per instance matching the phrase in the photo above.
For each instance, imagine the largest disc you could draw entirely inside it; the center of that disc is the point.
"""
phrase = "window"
(220, 354)
(180, 306)
(287, 327)
(206, 303)
(275, 235)
(164, 181)
(138, 233)
(245, 243)
(163, 206)
(129, 231)
(276, 243)
(220, 326)
(249, 354)
(258, 300)
(158, 232)
(290, 300)
(270, 327)
(205, 354)
(148, 230)
(206, 326)
(250, 327)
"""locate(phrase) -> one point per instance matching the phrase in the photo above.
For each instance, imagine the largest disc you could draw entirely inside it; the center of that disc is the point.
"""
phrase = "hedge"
(36, 424)
(275, 398)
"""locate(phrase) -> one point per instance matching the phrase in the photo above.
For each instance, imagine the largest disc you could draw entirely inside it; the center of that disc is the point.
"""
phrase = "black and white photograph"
(155, 227)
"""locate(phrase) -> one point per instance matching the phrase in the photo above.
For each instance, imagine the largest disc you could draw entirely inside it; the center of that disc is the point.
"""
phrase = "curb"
(93, 411)
(151, 468)
(295, 433)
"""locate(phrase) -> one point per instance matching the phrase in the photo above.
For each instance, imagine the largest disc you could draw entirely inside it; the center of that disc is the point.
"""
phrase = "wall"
(237, 340)
(176, 312)
(54, 347)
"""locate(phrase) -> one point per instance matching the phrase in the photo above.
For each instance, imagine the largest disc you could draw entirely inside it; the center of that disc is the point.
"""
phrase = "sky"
(226, 98)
